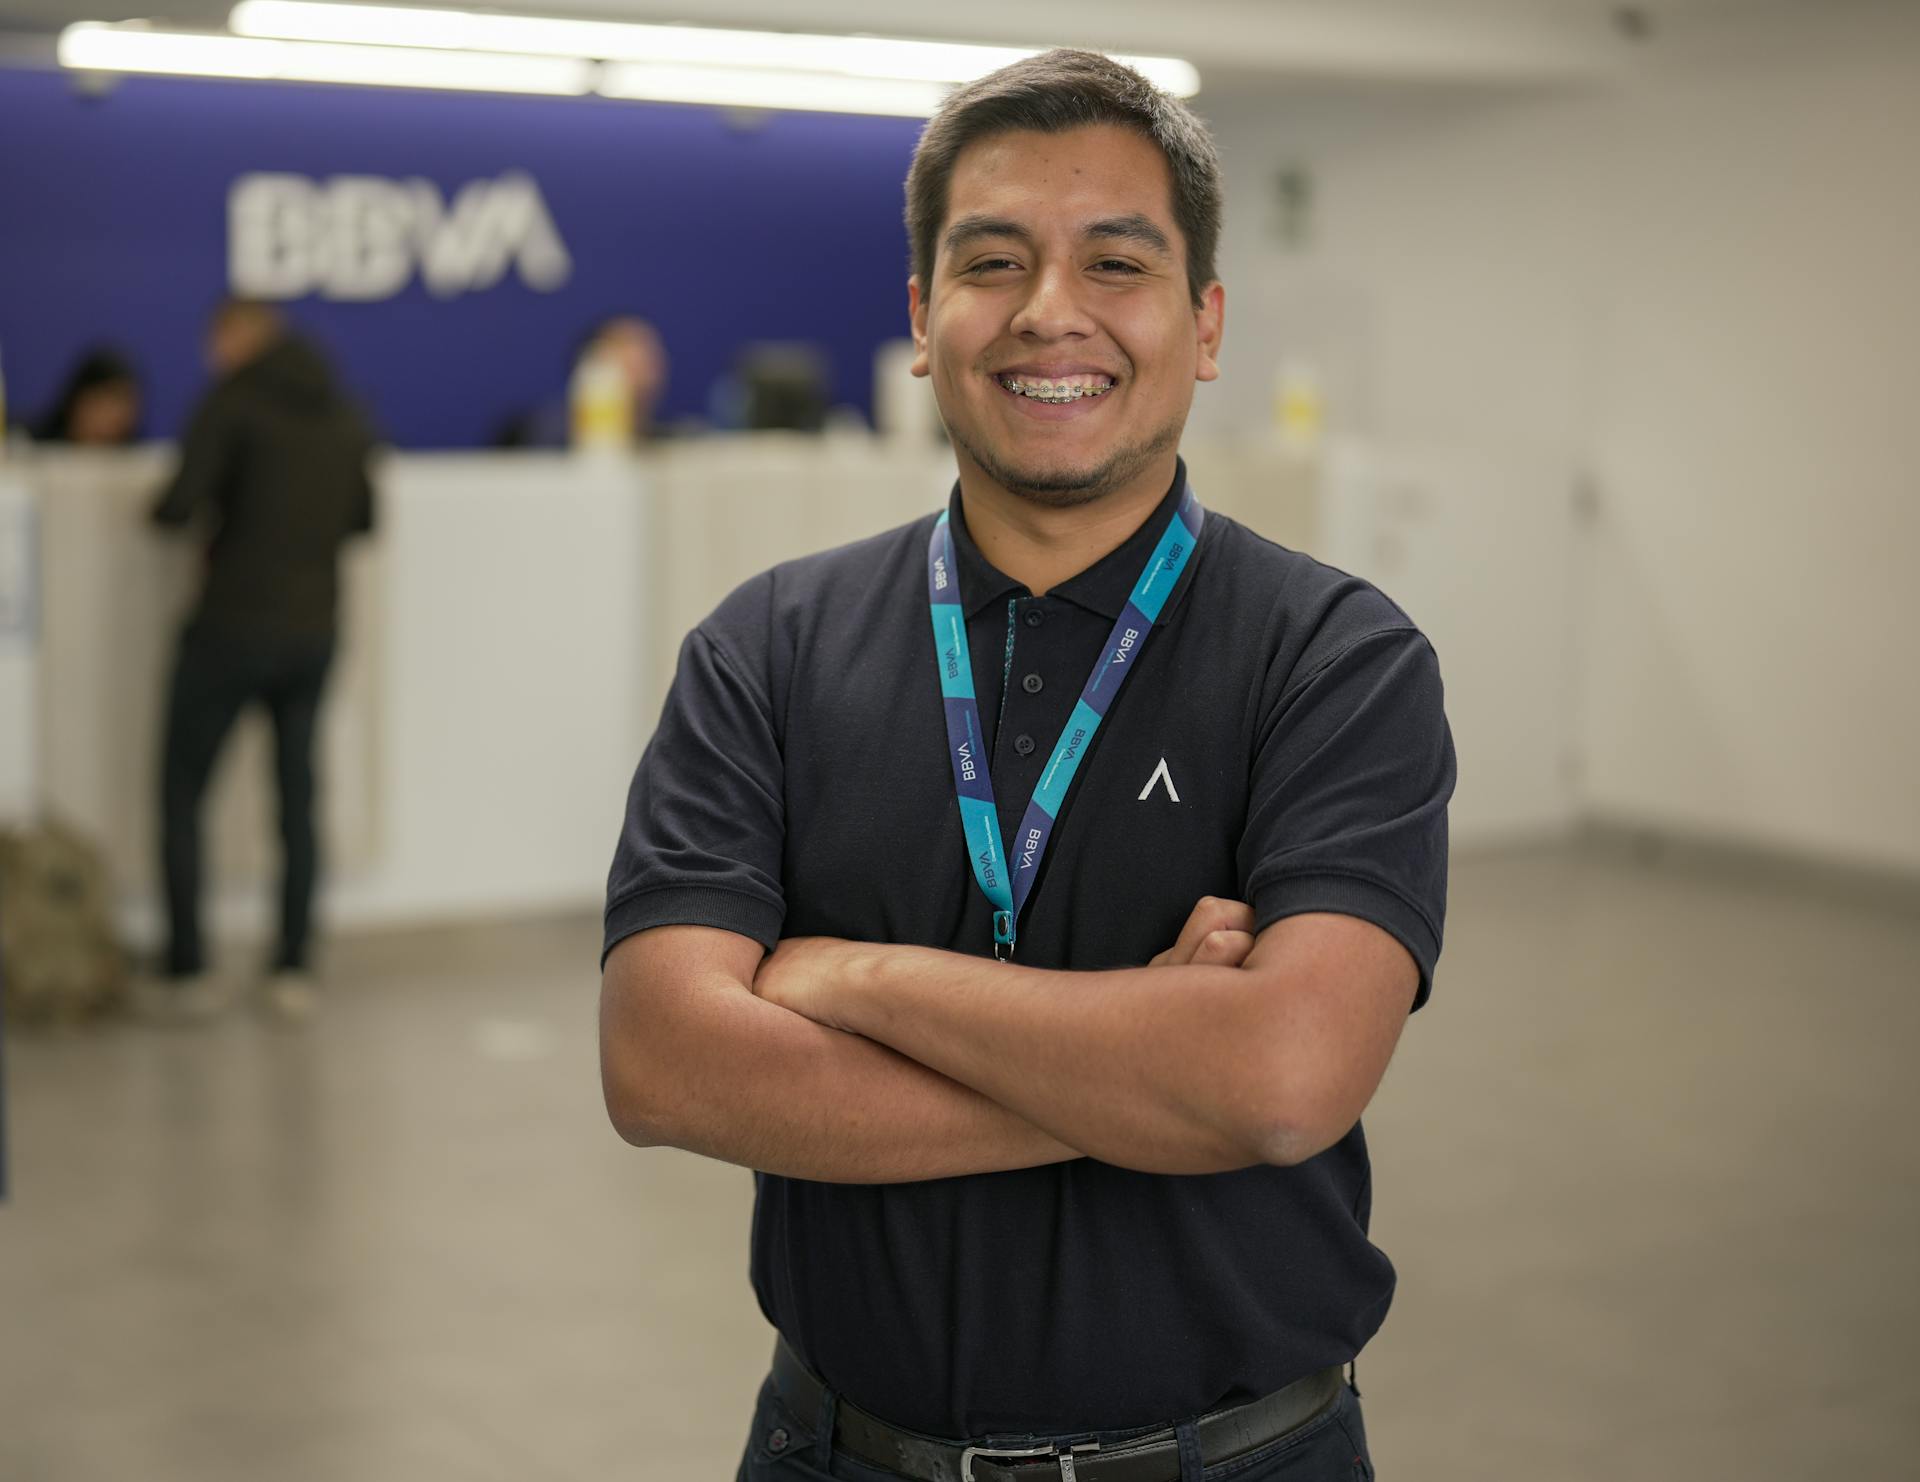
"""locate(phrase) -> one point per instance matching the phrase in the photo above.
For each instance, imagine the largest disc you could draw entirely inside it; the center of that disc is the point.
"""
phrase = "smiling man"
(1034, 895)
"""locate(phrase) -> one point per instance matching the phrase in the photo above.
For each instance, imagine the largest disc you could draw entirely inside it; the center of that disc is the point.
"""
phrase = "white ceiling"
(1238, 44)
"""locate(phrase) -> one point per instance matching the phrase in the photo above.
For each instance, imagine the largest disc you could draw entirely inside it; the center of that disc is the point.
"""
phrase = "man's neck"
(1040, 546)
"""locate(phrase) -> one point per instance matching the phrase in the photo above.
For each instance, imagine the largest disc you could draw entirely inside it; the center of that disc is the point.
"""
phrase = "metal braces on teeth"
(1073, 393)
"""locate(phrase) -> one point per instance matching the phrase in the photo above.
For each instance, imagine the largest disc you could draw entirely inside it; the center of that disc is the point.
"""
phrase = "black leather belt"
(1152, 1457)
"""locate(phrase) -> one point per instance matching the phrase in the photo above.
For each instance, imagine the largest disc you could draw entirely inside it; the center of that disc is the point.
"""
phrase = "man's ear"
(917, 318)
(1209, 320)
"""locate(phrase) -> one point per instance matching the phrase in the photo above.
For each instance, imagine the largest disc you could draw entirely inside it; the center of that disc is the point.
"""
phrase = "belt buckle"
(1024, 1453)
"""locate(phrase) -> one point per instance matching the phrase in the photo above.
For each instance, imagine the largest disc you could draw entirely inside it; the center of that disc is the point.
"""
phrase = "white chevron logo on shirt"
(1160, 774)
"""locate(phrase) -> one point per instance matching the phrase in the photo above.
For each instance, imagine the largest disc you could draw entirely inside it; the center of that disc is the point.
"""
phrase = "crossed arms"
(854, 1062)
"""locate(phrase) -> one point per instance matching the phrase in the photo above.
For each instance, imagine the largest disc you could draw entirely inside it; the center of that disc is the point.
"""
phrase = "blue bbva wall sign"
(450, 249)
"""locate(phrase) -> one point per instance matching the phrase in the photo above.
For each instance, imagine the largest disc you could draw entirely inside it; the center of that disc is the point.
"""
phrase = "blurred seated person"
(99, 406)
(619, 375)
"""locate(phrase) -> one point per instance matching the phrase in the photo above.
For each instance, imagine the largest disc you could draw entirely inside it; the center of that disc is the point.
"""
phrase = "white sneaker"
(291, 996)
(180, 1002)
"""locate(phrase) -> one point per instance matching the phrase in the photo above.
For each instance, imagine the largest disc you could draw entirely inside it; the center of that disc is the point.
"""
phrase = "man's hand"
(690, 1058)
(1218, 933)
(806, 975)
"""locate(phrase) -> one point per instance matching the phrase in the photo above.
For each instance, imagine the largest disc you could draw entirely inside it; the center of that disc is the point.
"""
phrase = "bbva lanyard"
(1006, 887)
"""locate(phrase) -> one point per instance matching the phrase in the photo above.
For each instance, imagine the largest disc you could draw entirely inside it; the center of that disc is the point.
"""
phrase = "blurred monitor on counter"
(786, 388)
(775, 386)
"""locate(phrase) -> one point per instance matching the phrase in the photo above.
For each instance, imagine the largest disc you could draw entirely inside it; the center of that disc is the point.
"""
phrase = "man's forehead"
(1073, 180)
(1099, 157)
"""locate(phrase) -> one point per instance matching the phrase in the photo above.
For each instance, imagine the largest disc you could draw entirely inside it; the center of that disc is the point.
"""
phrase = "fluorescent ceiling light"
(699, 46)
(92, 46)
(101, 48)
(743, 87)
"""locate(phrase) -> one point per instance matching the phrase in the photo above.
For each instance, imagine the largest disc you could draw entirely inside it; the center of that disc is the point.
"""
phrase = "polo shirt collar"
(1102, 588)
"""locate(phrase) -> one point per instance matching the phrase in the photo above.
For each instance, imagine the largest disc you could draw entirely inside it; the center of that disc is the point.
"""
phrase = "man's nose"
(1054, 307)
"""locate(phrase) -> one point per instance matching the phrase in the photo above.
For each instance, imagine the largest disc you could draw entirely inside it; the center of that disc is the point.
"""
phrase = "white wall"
(1462, 540)
(1449, 391)
(1692, 290)
(1761, 360)
(513, 641)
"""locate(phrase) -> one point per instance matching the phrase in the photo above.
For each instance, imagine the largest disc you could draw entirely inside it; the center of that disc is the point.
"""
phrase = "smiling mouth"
(1057, 392)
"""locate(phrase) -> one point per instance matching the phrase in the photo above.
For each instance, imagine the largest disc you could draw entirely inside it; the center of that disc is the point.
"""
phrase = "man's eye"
(991, 264)
(1116, 266)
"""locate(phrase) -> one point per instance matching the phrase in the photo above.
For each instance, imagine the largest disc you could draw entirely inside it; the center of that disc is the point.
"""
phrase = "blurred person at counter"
(274, 470)
(99, 406)
(618, 377)
(1049, 1055)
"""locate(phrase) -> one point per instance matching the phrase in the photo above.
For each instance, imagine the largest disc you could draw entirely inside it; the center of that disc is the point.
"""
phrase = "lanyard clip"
(1003, 936)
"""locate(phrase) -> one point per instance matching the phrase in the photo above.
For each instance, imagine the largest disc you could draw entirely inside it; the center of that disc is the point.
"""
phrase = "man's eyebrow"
(1134, 228)
(972, 228)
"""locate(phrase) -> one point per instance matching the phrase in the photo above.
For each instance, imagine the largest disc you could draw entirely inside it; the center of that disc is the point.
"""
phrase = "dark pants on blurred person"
(1331, 1447)
(214, 679)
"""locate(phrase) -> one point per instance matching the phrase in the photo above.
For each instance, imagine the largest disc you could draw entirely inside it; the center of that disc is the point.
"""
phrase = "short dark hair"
(1050, 94)
(237, 308)
(99, 365)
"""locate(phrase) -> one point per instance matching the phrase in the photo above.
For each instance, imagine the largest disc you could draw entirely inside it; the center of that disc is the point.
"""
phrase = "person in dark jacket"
(274, 467)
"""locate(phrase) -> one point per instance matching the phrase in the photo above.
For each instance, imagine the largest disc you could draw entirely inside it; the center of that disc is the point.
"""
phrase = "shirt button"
(1032, 684)
(1033, 617)
(1023, 745)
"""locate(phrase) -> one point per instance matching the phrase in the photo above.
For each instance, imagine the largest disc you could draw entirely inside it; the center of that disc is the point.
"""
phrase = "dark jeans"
(213, 680)
(1331, 1447)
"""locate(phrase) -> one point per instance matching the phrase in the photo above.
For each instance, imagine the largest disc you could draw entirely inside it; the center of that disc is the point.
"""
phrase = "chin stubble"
(1066, 488)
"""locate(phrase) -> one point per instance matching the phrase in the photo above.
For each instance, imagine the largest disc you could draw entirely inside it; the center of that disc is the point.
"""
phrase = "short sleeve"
(705, 825)
(1348, 813)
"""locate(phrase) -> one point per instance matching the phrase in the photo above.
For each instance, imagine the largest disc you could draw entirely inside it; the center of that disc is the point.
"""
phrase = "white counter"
(509, 635)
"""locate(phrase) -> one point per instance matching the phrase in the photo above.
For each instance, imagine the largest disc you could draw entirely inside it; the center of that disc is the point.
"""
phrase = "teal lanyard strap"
(1008, 882)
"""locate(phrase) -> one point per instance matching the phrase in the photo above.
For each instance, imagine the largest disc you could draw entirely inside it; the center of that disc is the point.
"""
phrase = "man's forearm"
(1163, 1069)
(730, 1076)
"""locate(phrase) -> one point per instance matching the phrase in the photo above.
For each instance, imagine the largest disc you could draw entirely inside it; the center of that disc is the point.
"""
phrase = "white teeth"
(1054, 391)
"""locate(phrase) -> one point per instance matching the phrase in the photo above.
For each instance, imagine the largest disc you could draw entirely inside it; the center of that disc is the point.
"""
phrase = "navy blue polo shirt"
(1281, 741)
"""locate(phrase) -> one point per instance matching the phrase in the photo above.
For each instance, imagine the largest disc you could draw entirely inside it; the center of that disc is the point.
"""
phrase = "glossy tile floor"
(1650, 1167)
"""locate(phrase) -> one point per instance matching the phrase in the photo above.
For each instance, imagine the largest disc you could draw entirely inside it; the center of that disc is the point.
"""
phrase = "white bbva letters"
(359, 238)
